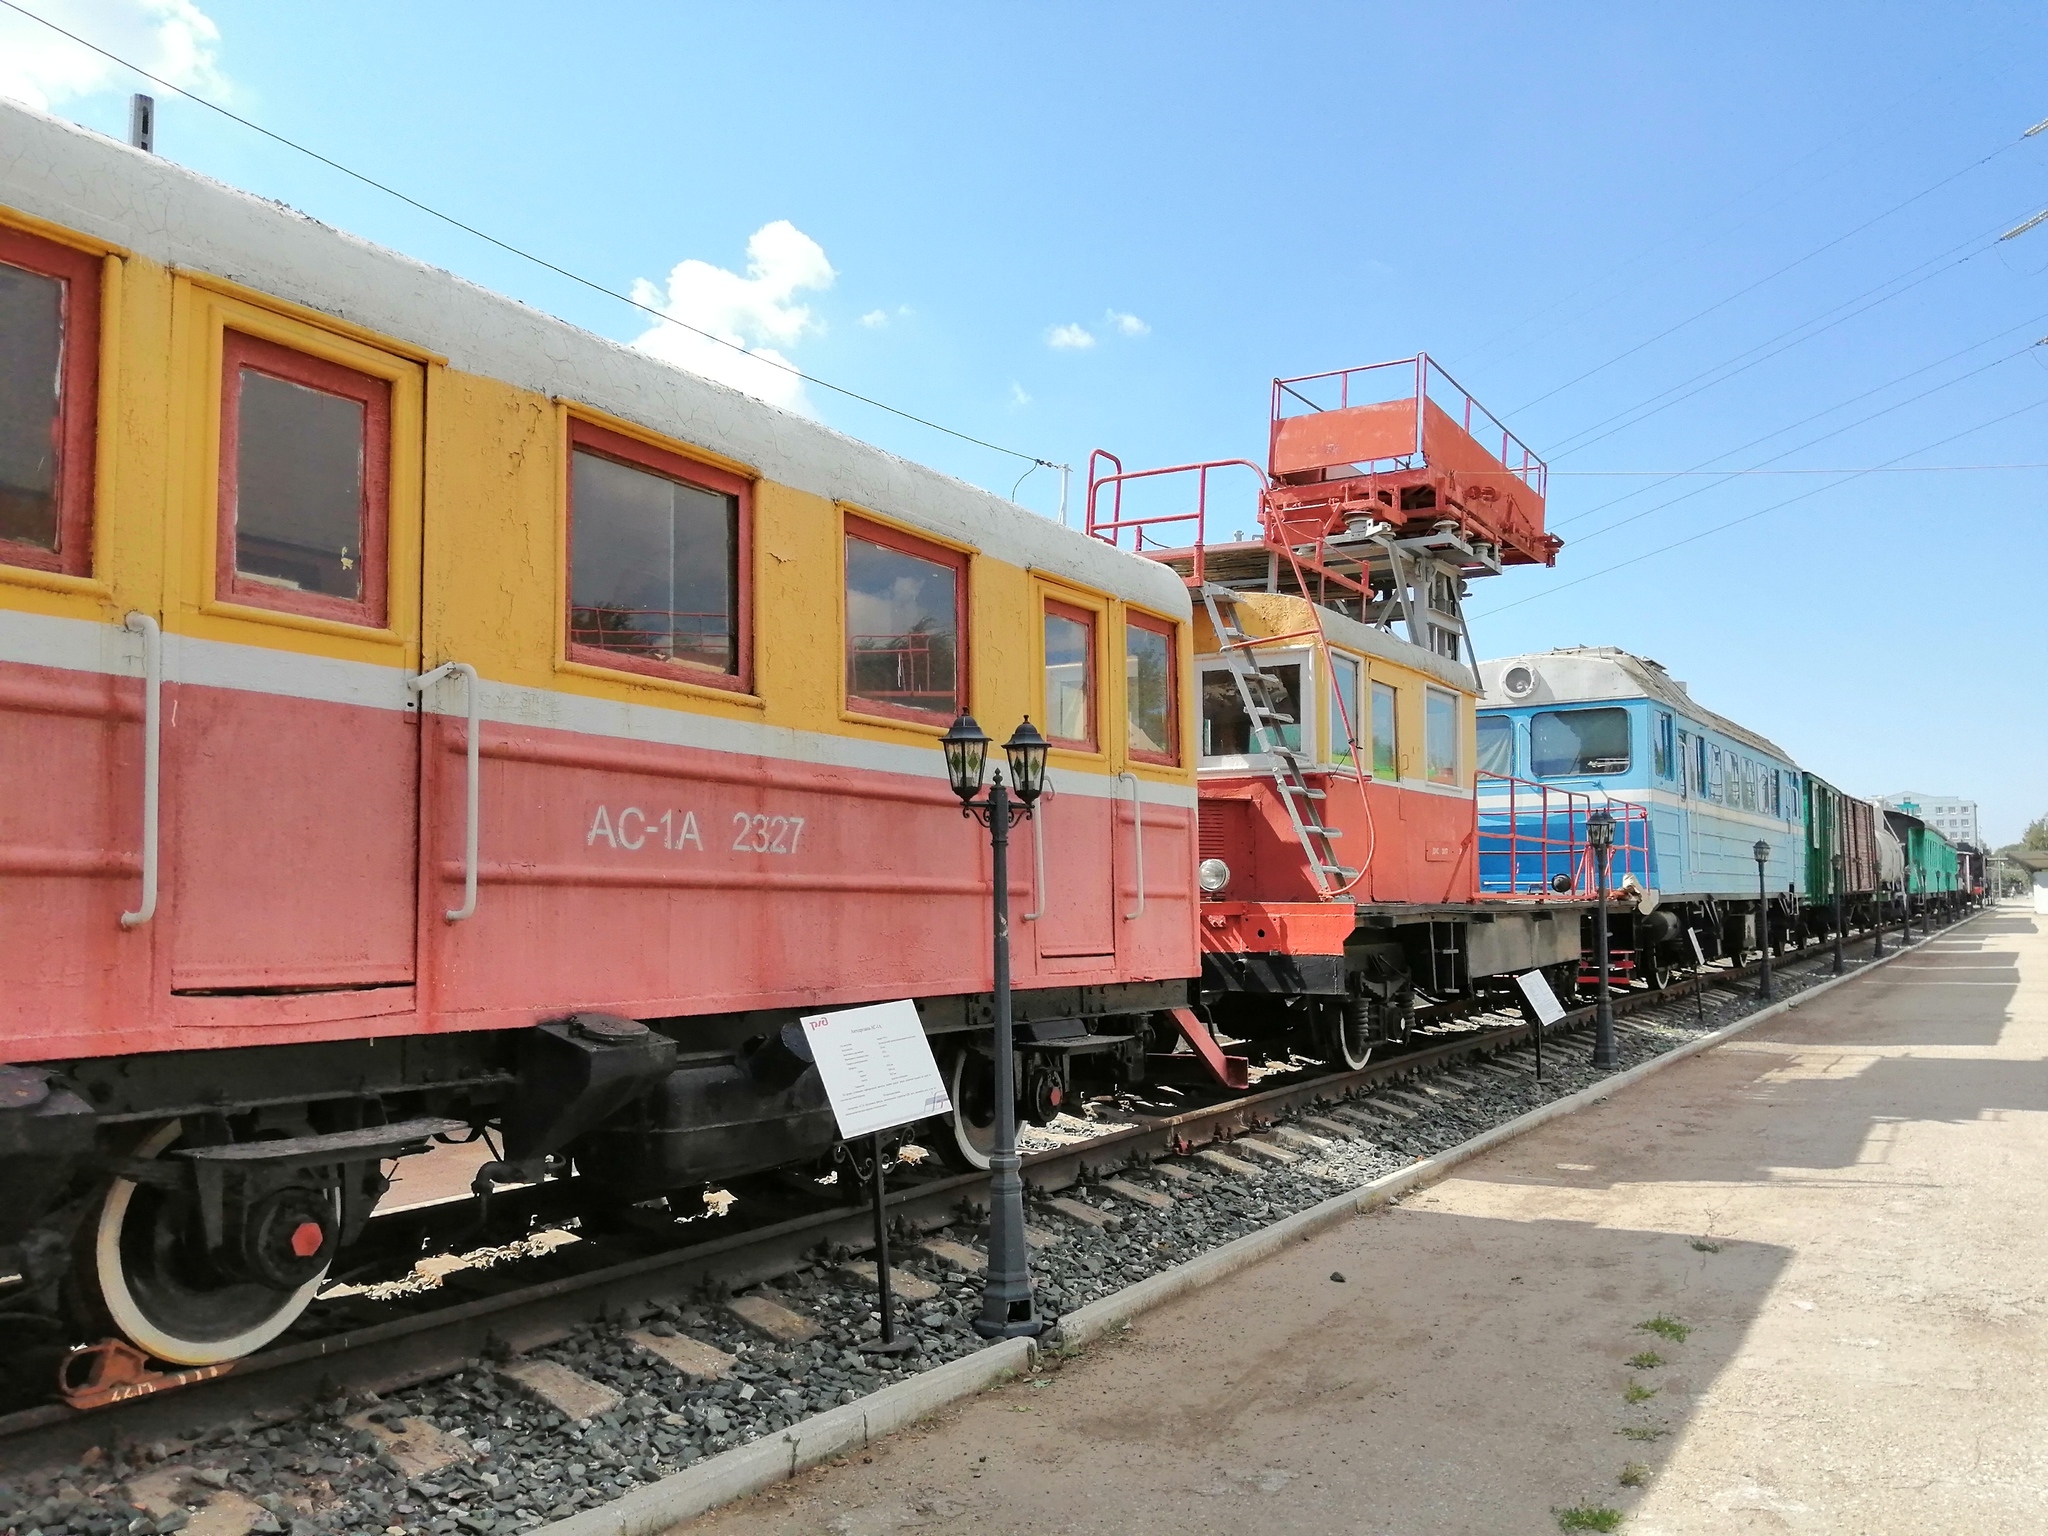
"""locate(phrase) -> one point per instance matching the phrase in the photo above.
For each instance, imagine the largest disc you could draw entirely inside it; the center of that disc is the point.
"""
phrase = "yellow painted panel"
(201, 316)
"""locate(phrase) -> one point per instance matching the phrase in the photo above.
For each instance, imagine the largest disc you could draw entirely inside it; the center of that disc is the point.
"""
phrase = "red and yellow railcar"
(418, 716)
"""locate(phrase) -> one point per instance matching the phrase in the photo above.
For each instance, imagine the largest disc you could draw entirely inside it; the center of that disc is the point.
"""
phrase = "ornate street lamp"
(1600, 839)
(1006, 1308)
(1762, 852)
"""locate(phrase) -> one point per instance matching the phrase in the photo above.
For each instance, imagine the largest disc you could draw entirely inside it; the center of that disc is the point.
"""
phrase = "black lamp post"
(1761, 852)
(1006, 1309)
(1600, 839)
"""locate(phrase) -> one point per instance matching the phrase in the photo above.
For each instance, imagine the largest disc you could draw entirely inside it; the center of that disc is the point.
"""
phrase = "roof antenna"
(142, 123)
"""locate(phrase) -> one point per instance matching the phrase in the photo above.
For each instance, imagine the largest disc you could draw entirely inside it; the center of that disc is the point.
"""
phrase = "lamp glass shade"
(966, 747)
(1600, 829)
(1026, 750)
(1761, 851)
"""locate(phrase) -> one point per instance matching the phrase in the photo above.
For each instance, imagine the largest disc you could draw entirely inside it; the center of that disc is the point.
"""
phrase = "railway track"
(460, 1332)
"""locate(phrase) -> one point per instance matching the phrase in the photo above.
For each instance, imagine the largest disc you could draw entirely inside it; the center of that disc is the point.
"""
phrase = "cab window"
(1347, 731)
(1386, 737)
(49, 363)
(1496, 745)
(304, 484)
(1440, 736)
(1070, 676)
(1227, 729)
(1563, 742)
(1661, 755)
(905, 614)
(1150, 707)
(654, 561)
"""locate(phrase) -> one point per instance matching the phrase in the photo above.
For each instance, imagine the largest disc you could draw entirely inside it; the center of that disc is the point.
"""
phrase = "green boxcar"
(1839, 827)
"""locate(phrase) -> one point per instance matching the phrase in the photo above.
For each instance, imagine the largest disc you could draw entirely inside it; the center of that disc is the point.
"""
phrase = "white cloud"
(170, 38)
(875, 319)
(1069, 338)
(1017, 395)
(756, 312)
(1127, 324)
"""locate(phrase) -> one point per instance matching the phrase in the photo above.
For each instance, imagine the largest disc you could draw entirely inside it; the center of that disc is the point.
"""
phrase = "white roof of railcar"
(81, 180)
(1581, 674)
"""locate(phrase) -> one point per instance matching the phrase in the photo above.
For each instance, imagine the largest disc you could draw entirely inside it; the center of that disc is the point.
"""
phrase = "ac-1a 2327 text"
(636, 830)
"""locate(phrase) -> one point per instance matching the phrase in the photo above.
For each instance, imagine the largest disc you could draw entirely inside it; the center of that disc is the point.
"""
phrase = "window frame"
(1170, 632)
(669, 464)
(854, 526)
(1663, 745)
(1343, 753)
(82, 274)
(293, 365)
(1428, 774)
(1393, 691)
(1091, 619)
(1560, 710)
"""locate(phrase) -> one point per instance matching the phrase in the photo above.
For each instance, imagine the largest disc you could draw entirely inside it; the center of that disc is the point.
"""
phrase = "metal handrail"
(1110, 529)
(1045, 793)
(471, 818)
(152, 760)
(1566, 855)
(1137, 839)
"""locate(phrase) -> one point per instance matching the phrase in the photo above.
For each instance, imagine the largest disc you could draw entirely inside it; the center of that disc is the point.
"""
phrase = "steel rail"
(387, 1356)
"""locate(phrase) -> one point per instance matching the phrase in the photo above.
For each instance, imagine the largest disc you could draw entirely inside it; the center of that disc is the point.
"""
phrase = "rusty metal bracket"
(113, 1371)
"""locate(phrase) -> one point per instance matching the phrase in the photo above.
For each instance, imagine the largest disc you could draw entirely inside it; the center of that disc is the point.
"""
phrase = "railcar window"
(1661, 756)
(1386, 734)
(653, 564)
(1496, 744)
(1568, 741)
(49, 307)
(1346, 729)
(305, 443)
(1227, 730)
(31, 405)
(1440, 737)
(1150, 708)
(903, 625)
(1070, 676)
(1699, 770)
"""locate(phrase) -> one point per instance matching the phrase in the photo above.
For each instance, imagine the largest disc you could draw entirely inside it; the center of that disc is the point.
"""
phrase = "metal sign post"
(1544, 1004)
(1699, 972)
(879, 1073)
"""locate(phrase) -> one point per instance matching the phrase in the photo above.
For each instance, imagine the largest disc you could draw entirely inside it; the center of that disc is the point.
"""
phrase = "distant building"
(1954, 819)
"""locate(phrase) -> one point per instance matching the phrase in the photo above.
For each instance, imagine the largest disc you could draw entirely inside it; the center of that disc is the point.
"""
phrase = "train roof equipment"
(1386, 489)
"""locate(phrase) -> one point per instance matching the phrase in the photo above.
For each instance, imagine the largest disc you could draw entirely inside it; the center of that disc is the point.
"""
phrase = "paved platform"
(1841, 1211)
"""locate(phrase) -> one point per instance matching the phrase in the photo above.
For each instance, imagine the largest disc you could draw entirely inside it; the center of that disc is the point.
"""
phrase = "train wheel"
(1344, 1031)
(970, 1083)
(140, 1272)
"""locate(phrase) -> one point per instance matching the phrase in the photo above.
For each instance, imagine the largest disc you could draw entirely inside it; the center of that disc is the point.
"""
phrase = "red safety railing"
(1530, 834)
(1417, 379)
(1112, 527)
(664, 630)
(899, 668)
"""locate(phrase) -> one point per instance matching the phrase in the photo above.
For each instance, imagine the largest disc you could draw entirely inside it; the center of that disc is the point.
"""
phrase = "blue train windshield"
(1569, 741)
(1496, 744)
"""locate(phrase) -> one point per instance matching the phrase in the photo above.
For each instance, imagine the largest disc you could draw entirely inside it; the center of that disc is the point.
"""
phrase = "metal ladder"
(1261, 694)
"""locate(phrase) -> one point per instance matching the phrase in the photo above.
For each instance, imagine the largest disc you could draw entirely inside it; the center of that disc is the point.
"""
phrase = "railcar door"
(291, 734)
(1076, 905)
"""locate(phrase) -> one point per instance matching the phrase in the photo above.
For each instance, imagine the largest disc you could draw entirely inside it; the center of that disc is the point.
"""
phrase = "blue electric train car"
(1598, 721)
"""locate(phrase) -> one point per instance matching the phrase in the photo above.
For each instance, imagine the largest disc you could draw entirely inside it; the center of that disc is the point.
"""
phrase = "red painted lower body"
(309, 851)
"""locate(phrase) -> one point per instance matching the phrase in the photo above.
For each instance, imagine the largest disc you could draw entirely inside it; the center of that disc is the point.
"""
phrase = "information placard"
(878, 1067)
(1536, 988)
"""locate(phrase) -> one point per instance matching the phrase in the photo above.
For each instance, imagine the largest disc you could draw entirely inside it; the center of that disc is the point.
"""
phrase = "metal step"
(1325, 831)
(1304, 790)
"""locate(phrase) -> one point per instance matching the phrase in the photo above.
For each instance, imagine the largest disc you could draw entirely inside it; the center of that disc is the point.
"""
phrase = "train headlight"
(1213, 875)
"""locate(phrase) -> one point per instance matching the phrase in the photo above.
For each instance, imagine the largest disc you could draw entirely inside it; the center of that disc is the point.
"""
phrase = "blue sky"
(1544, 197)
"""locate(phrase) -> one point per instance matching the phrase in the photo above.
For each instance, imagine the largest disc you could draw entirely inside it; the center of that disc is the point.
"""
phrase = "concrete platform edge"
(748, 1469)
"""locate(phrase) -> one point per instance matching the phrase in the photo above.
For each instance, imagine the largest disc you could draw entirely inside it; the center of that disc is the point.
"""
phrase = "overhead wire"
(1873, 469)
(1749, 517)
(1768, 277)
(1636, 517)
(1706, 465)
(525, 255)
(1602, 283)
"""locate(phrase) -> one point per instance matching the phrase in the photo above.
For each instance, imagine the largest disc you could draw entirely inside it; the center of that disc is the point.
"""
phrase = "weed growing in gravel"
(1648, 1360)
(1638, 1393)
(1667, 1327)
(1637, 1432)
(1635, 1474)
(1588, 1517)
(1701, 1245)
